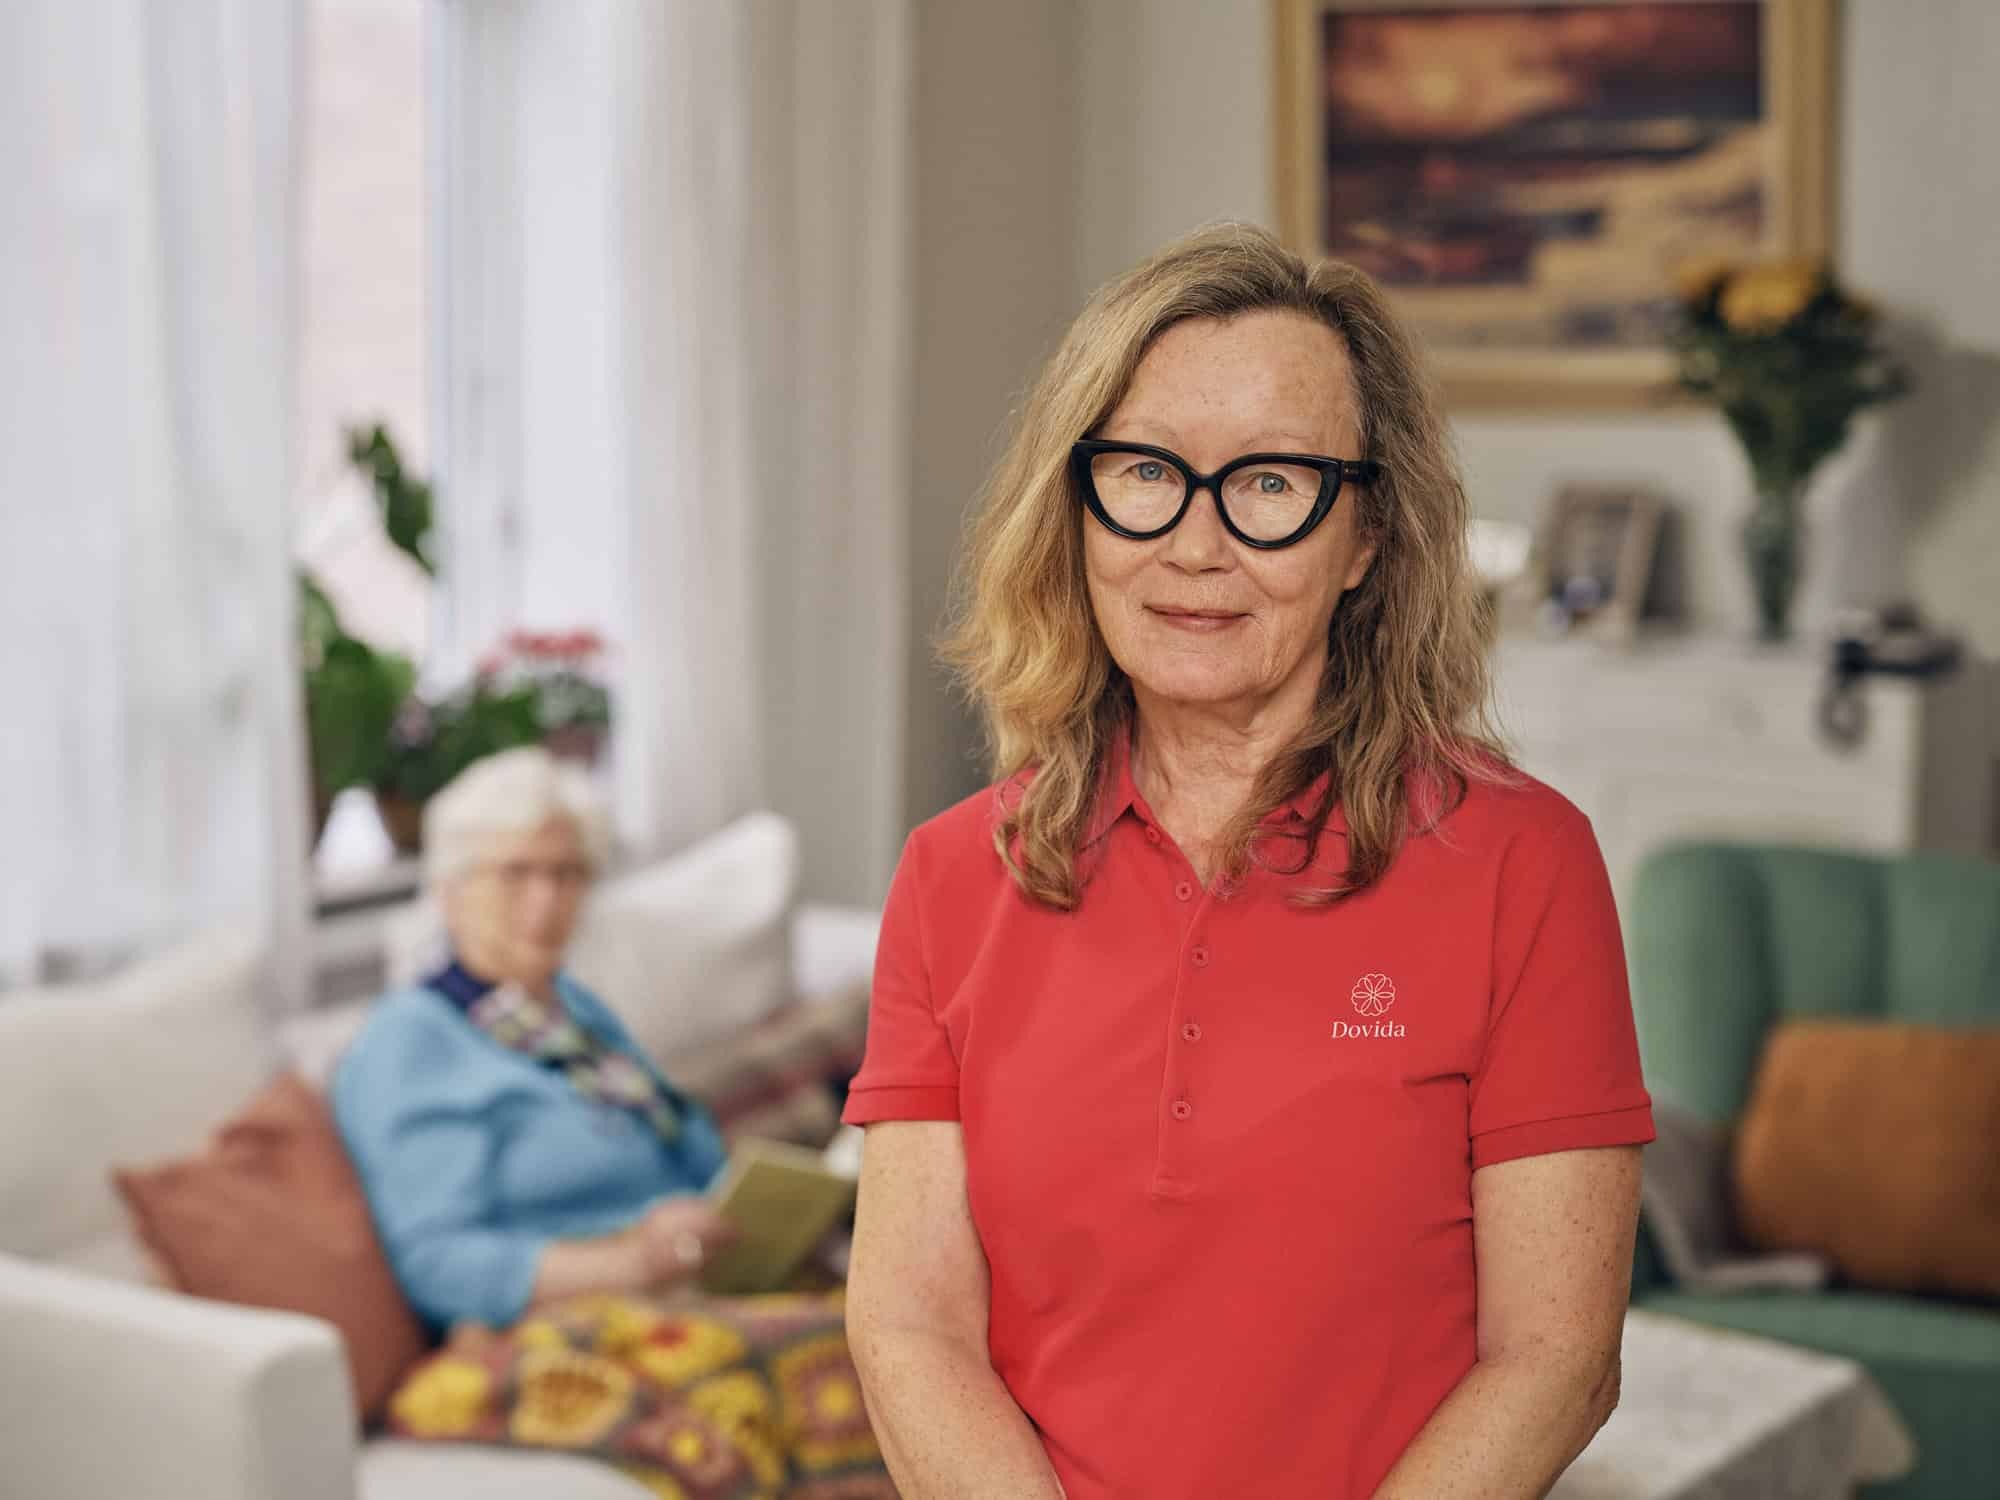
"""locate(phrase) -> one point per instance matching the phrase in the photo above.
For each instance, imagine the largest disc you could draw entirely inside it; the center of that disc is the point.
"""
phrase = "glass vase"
(1771, 547)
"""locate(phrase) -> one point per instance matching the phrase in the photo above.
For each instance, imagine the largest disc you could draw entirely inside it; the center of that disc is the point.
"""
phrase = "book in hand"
(783, 1200)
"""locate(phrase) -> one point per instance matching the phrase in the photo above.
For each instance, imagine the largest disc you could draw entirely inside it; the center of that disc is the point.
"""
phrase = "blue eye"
(1271, 484)
(1152, 471)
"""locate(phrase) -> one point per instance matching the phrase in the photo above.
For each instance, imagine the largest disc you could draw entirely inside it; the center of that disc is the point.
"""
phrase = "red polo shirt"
(1219, 1148)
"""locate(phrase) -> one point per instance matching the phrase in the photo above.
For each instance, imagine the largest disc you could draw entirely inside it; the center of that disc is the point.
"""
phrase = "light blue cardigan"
(474, 1157)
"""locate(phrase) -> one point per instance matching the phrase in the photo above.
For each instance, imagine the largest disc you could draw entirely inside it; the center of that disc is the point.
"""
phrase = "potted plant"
(563, 669)
(431, 741)
(1788, 356)
(352, 693)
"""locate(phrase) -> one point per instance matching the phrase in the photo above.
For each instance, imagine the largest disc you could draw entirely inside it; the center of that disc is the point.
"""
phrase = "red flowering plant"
(564, 671)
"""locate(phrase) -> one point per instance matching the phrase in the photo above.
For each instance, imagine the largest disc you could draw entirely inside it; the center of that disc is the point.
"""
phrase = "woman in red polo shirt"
(1254, 1102)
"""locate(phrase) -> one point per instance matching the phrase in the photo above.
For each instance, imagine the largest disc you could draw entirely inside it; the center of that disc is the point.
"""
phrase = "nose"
(540, 905)
(1201, 542)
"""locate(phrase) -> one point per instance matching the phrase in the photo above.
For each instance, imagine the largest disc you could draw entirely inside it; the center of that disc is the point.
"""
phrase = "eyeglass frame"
(1333, 475)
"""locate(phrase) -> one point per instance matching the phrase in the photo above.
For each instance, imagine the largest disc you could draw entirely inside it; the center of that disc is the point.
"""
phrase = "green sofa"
(1724, 939)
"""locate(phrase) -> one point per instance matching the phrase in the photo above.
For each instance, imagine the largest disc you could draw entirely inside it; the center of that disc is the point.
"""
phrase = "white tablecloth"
(1709, 1414)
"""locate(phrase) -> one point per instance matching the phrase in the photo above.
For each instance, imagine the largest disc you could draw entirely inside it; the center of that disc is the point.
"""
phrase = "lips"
(1196, 621)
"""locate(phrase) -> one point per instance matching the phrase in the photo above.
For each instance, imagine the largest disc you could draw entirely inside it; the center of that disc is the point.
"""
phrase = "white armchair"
(110, 1389)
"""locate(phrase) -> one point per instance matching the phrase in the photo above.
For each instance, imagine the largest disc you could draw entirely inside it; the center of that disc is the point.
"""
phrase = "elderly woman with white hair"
(515, 1143)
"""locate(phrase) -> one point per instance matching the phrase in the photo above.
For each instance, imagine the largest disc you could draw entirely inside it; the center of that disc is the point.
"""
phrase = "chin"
(1194, 681)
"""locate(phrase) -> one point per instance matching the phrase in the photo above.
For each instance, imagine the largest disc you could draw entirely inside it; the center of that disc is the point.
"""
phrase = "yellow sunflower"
(1764, 298)
(444, 1398)
(568, 1399)
(1696, 279)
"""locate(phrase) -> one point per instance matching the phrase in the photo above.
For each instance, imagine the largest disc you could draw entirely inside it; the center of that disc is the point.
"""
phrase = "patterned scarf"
(551, 1037)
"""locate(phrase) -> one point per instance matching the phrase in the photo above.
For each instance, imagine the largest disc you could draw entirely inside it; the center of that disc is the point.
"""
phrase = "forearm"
(946, 1422)
(1506, 1432)
(579, 1268)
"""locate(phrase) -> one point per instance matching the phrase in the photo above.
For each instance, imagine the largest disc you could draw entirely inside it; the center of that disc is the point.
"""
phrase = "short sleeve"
(1560, 1069)
(909, 1071)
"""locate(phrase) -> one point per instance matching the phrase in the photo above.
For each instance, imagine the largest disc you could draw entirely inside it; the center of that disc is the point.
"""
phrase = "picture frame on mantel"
(1527, 178)
(1591, 571)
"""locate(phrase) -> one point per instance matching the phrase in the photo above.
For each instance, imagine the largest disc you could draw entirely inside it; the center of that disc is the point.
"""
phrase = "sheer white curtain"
(679, 245)
(153, 771)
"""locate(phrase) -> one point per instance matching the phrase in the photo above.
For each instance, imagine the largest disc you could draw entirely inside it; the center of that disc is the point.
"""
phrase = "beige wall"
(994, 256)
(1057, 144)
(1163, 147)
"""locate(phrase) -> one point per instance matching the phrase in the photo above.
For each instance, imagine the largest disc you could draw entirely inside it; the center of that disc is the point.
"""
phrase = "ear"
(1357, 568)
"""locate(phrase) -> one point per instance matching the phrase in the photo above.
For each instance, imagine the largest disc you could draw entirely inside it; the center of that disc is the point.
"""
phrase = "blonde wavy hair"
(1404, 703)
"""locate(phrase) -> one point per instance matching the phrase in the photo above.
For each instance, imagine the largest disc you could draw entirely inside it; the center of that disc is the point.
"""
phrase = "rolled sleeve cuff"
(901, 1102)
(1615, 1127)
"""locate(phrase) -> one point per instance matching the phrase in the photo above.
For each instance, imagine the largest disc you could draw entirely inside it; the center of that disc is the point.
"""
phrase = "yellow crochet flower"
(568, 1400)
(445, 1398)
(623, 1324)
(1765, 298)
(539, 1333)
(741, 1405)
(824, 1416)
(681, 1349)
(662, 1485)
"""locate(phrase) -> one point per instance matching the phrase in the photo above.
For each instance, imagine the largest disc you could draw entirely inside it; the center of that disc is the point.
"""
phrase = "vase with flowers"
(1789, 357)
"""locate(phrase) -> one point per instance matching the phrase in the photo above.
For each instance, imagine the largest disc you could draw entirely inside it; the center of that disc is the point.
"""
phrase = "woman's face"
(512, 913)
(1196, 617)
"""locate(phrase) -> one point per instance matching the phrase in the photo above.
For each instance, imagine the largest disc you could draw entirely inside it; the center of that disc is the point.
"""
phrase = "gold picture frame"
(1472, 329)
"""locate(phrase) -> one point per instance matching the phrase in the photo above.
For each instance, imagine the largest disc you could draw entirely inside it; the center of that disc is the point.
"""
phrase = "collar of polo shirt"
(1120, 795)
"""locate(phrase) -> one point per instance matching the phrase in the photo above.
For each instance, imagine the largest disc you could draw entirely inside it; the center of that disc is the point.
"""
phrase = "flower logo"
(1373, 993)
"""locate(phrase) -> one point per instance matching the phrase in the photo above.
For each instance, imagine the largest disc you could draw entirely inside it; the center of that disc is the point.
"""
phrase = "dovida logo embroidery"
(1372, 995)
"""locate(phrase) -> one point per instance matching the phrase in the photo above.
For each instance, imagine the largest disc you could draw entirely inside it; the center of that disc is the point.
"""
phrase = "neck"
(1196, 765)
(541, 986)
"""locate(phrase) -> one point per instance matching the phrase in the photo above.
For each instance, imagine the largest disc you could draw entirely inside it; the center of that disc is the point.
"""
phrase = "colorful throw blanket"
(737, 1398)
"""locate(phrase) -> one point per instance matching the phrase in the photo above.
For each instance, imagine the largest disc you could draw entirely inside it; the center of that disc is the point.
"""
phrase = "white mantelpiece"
(1703, 736)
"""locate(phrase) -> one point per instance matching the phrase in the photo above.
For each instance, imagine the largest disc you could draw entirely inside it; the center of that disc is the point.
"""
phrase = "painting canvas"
(1526, 178)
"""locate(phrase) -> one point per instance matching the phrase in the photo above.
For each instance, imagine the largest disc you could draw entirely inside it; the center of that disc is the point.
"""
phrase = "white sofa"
(111, 1388)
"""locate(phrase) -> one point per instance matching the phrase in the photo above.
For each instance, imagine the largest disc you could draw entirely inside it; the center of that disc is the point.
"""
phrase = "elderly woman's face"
(1195, 616)
(512, 913)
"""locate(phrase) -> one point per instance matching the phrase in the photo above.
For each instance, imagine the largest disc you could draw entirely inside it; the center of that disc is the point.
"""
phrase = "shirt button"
(1191, 1032)
(1182, 1110)
(1152, 834)
(1200, 957)
(1184, 891)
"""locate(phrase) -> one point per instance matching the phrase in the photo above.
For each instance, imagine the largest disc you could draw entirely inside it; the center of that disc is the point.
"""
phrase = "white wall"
(1164, 145)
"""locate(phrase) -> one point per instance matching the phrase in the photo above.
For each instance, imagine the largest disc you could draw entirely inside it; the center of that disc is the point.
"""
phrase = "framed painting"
(1526, 178)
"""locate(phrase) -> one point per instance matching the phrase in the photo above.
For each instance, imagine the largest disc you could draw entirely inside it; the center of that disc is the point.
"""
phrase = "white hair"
(513, 792)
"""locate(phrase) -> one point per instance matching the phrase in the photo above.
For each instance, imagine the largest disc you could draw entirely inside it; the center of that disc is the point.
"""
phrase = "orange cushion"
(1875, 1145)
(270, 1214)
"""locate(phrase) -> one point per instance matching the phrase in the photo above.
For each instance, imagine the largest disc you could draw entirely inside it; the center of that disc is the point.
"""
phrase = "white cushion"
(312, 1043)
(687, 951)
(115, 1073)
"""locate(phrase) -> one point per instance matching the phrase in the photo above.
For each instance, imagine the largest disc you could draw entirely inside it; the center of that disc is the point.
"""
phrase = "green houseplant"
(1788, 357)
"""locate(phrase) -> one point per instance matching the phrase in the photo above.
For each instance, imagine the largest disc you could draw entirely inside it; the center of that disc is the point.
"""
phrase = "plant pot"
(583, 743)
(402, 819)
(1772, 540)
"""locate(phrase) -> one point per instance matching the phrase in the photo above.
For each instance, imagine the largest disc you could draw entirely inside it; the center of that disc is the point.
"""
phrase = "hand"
(678, 1236)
